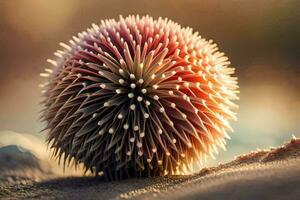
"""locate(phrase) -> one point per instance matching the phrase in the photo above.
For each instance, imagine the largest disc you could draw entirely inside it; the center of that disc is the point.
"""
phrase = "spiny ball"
(138, 97)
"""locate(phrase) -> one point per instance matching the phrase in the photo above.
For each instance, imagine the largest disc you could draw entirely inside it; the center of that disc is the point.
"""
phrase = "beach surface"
(263, 174)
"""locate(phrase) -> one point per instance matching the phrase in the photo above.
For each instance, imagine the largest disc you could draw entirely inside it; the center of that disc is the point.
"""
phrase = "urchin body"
(138, 97)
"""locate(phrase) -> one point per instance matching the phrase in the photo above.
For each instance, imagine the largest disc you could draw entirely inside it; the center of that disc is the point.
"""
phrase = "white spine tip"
(121, 81)
(146, 115)
(120, 116)
(111, 130)
(52, 62)
(144, 91)
(44, 74)
(49, 70)
(141, 81)
(100, 72)
(125, 126)
(142, 134)
(135, 128)
(156, 97)
(132, 76)
(148, 103)
(130, 95)
(159, 131)
(65, 46)
(132, 85)
(139, 144)
(102, 85)
(155, 87)
(58, 54)
(101, 132)
(139, 98)
(132, 107)
(121, 71)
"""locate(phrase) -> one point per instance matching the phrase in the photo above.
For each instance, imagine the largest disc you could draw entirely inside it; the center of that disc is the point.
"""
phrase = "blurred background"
(261, 38)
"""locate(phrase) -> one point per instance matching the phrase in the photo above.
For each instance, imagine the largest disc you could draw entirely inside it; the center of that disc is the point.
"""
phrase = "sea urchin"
(138, 97)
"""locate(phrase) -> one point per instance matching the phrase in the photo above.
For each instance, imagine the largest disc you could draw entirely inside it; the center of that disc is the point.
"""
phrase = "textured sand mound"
(13, 157)
(18, 165)
(265, 174)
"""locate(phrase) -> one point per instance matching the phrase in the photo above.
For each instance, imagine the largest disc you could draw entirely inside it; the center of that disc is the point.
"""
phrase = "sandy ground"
(269, 174)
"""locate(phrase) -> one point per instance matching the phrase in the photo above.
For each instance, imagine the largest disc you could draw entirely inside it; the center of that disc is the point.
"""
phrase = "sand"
(267, 174)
